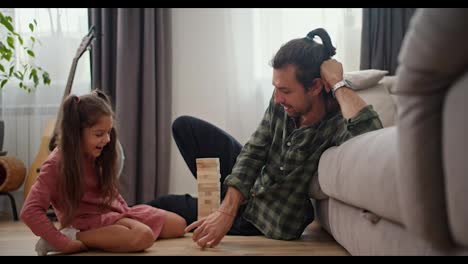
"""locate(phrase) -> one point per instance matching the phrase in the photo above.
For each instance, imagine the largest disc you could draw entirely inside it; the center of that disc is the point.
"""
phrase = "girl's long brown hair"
(79, 113)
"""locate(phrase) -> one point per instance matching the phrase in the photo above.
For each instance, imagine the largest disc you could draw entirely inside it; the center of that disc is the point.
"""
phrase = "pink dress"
(89, 215)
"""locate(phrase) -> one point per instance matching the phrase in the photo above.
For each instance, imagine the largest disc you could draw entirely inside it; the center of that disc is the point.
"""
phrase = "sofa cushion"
(455, 153)
(365, 79)
(425, 73)
(361, 172)
(361, 237)
(382, 101)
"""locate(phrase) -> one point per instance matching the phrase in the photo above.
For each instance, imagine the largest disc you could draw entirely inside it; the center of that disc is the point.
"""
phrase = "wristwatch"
(340, 84)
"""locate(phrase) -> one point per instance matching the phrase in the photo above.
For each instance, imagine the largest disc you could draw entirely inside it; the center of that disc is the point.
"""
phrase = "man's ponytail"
(326, 41)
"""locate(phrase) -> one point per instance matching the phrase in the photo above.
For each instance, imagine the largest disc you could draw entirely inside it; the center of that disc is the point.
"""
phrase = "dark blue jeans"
(195, 139)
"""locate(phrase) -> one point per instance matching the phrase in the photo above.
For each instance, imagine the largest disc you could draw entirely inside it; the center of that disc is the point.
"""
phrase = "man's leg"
(183, 205)
(196, 138)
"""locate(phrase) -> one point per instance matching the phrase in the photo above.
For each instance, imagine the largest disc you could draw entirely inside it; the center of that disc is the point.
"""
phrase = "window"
(274, 27)
(60, 31)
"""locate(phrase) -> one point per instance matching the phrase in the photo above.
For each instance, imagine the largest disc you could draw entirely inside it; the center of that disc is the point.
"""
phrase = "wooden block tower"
(208, 178)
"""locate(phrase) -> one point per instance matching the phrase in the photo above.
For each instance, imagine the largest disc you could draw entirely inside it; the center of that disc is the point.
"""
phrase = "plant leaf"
(4, 21)
(29, 76)
(36, 80)
(7, 54)
(33, 72)
(11, 42)
(45, 77)
(18, 75)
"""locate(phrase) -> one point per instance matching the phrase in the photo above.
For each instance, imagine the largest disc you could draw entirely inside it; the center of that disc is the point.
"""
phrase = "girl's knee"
(143, 239)
(180, 227)
(174, 226)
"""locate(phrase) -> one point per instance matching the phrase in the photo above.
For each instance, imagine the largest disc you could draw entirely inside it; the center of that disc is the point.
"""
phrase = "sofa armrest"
(361, 172)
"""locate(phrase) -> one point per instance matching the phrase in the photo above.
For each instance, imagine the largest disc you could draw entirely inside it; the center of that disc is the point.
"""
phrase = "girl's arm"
(37, 203)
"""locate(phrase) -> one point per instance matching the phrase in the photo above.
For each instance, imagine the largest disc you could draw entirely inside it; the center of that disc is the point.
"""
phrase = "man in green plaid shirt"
(266, 185)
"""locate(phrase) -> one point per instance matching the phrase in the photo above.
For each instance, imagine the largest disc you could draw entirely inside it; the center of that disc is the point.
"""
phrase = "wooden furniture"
(208, 178)
(12, 174)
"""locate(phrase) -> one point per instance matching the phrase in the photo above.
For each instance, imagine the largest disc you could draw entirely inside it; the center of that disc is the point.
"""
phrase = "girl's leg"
(126, 235)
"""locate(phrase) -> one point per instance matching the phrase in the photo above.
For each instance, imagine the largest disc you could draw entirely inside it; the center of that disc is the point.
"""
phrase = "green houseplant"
(12, 65)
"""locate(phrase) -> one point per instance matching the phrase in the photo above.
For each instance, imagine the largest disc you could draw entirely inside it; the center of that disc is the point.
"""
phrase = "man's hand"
(75, 246)
(211, 229)
(331, 72)
(350, 102)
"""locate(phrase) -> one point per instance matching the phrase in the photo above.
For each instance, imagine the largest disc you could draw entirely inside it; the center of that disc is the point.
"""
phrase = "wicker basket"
(12, 173)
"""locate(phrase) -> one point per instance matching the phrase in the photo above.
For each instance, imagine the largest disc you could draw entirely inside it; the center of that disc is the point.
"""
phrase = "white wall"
(220, 65)
(196, 85)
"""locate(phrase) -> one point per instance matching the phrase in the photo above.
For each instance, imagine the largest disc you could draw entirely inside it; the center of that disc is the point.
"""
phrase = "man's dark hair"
(306, 54)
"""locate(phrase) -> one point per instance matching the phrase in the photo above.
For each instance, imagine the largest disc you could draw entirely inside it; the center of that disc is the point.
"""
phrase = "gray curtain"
(383, 30)
(131, 62)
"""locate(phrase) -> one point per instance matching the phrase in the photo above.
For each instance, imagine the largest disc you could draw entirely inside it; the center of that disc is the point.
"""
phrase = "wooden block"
(208, 179)
(208, 184)
(207, 171)
(207, 163)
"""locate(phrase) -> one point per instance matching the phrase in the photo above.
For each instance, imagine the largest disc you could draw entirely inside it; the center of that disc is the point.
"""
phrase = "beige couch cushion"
(365, 79)
(361, 237)
(455, 153)
(433, 56)
(380, 98)
(361, 172)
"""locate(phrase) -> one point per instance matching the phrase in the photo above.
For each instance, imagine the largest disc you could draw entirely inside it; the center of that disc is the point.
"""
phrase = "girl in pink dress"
(79, 179)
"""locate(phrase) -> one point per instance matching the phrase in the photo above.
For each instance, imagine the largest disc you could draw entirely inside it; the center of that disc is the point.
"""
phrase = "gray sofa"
(403, 189)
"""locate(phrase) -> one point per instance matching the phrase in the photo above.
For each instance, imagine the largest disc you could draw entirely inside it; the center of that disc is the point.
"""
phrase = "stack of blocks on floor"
(208, 178)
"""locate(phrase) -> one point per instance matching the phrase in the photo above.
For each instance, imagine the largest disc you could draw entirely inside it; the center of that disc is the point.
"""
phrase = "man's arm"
(253, 155)
(210, 230)
(350, 102)
(359, 116)
(231, 202)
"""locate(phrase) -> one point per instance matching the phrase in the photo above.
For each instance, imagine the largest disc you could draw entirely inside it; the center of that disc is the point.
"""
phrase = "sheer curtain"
(221, 71)
(60, 31)
(257, 34)
(274, 27)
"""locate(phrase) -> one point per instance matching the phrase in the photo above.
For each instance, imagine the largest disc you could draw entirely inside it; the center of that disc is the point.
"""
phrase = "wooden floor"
(17, 239)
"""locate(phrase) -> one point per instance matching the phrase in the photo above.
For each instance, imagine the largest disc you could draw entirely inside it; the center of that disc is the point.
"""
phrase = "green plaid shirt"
(274, 169)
